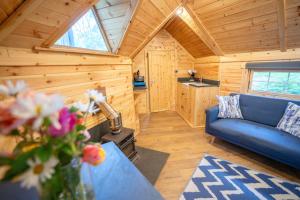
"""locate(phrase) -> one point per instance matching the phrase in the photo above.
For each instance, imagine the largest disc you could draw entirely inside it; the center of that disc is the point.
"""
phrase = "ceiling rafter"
(155, 31)
(281, 17)
(102, 30)
(193, 21)
(14, 20)
(68, 23)
(130, 14)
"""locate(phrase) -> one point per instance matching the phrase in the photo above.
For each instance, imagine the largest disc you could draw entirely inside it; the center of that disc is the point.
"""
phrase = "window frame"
(269, 93)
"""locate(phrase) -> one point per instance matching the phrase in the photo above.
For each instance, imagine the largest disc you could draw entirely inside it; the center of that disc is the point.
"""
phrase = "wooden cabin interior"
(162, 64)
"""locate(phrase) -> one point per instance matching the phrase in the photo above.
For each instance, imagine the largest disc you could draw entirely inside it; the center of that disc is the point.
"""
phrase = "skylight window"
(85, 33)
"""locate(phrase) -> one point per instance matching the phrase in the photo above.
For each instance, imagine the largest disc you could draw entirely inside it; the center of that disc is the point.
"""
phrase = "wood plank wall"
(208, 67)
(181, 60)
(71, 75)
(230, 69)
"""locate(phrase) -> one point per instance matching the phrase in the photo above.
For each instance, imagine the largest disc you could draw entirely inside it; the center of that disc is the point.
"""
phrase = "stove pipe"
(114, 117)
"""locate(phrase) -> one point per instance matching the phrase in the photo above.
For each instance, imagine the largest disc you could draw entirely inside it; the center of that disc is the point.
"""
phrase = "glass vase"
(77, 185)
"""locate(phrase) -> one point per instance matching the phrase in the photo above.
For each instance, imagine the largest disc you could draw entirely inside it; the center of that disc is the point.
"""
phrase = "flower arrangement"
(51, 136)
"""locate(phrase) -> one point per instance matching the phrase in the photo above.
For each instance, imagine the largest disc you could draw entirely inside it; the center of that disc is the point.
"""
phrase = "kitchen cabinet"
(191, 102)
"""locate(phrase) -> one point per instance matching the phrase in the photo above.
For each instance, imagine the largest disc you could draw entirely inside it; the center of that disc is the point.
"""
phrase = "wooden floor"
(167, 132)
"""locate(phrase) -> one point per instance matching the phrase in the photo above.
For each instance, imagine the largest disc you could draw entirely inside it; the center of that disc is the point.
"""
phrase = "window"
(285, 82)
(85, 33)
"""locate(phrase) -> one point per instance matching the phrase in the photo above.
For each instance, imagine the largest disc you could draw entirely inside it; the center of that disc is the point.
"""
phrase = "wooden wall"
(181, 60)
(231, 70)
(207, 70)
(71, 75)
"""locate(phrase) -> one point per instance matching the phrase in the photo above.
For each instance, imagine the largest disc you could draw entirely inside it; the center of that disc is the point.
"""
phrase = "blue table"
(115, 179)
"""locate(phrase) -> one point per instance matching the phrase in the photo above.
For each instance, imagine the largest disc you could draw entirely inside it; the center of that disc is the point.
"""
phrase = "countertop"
(197, 83)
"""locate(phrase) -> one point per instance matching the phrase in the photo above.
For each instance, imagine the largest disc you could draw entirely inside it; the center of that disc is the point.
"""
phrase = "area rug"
(215, 178)
(151, 163)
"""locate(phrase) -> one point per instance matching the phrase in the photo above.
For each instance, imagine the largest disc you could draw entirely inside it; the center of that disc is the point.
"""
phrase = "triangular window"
(85, 33)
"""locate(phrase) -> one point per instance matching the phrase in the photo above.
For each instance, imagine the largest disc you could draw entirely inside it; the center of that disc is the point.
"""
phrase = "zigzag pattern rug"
(219, 179)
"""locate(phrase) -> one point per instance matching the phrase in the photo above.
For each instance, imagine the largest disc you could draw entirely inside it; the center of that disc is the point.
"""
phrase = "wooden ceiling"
(188, 38)
(150, 17)
(8, 7)
(207, 26)
(251, 25)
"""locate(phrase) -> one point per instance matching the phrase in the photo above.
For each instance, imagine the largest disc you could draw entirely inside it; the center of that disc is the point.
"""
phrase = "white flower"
(38, 106)
(37, 172)
(9, 89)
(96, 96)
(86, 108)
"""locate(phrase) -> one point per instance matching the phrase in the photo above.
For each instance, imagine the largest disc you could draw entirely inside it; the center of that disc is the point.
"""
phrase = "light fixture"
(179, 11)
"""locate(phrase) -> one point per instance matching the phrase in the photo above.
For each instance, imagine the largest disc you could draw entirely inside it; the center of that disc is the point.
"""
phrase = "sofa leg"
(212, 139)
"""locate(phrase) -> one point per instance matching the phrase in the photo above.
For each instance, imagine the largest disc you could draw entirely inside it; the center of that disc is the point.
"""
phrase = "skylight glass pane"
(85, 33)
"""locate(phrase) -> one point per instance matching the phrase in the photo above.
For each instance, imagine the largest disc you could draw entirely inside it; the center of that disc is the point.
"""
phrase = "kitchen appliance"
(139, 81)
(138, 78)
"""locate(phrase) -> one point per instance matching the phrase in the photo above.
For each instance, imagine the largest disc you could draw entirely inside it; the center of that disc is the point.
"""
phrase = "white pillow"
(229, 107)
(290, 122)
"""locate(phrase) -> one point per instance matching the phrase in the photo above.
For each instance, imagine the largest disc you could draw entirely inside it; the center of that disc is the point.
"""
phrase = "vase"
(77, 185)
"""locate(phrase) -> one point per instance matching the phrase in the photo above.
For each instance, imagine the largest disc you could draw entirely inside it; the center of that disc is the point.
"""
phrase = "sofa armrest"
(211, 115)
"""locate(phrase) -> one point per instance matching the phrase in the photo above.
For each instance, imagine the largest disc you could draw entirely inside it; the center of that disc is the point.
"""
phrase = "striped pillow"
(229, 107)
(290, 122)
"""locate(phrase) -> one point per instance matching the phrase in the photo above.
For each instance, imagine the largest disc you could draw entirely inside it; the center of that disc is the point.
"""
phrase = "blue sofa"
(257, 131)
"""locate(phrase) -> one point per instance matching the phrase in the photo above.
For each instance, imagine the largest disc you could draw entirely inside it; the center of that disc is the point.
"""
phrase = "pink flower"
(8, 122)
(93, 154)
(67, 121)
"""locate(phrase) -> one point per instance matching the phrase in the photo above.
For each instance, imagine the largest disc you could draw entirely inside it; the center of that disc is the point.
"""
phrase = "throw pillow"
(290, 122)
(229, 107)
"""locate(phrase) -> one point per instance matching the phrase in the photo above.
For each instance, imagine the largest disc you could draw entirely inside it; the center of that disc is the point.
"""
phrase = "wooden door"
(160, 80)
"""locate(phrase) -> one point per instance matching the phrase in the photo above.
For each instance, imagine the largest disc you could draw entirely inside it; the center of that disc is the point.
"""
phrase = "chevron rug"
(215, 178)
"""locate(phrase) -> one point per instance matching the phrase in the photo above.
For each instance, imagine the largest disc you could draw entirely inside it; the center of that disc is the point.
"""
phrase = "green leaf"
(47, 122)
(44, 153)
(65, 154)
(80, 127)
(19, 165)
(81, 137)
(19, 147)
(73, 109)
(15, 132)
(5, 161)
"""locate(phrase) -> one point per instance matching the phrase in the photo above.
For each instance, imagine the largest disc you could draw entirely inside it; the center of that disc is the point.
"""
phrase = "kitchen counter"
(193, 98)
(197, 83)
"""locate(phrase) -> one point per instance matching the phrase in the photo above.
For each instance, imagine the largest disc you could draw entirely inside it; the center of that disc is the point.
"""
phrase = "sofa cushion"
(264, 110)
(290, 122)
(260, 138)
(229, 107)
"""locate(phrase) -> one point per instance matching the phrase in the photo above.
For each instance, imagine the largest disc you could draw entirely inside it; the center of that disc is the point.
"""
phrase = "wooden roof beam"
(68, 23)
(281, 17)
(154, 32)
(17, 17)
(192, 20)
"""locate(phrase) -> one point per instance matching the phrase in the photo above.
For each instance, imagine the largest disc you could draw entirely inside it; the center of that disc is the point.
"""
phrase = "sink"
(197, 84)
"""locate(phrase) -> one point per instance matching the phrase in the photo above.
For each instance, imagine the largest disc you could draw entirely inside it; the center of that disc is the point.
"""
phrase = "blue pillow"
(290, 122)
